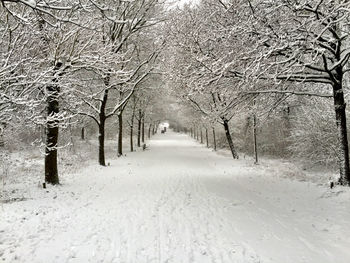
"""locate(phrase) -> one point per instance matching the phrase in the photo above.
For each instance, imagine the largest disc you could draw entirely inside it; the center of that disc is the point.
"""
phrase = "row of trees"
(61, 61)
(231, 63)
(230, 58)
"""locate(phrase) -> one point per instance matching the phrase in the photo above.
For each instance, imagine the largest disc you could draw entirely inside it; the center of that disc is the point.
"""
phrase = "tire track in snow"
(194, 225)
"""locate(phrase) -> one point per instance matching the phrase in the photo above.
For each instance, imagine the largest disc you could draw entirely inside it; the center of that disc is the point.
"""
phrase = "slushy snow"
(177, 202)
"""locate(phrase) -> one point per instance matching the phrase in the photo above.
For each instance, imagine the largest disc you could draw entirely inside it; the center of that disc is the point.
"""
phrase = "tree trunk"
(201, 136)
(153, 129)
(229, 139)
(149, 131)
(139, 129)
(254, 140)
(143, 130)
(206, 137)
(120, 134)
(101, 141)
(132, 130)
(51, 171)
(254, 136)
(101, 127)
(83, 133)
(131, 138)
(340, 116)
(214, 139)
(156, 127)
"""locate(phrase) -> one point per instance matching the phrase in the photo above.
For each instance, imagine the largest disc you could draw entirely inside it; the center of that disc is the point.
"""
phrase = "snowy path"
(177, 202)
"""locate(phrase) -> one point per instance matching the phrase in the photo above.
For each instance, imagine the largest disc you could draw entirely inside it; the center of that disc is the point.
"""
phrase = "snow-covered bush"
(313, 134)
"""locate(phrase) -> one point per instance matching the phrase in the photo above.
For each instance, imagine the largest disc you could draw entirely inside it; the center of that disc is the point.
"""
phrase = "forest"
(121, 86)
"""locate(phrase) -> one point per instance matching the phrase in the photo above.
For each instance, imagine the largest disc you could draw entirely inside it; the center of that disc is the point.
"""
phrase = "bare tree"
(124, 63)
(306, 42)
(199, 73)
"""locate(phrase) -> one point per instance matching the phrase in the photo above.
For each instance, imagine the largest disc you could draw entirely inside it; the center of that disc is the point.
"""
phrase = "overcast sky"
(181, 2)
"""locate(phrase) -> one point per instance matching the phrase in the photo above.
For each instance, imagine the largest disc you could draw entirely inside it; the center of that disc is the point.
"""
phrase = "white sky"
(181, 2)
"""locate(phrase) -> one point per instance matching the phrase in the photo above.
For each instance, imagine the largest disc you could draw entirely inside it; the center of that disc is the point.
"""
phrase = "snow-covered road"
(177, 202)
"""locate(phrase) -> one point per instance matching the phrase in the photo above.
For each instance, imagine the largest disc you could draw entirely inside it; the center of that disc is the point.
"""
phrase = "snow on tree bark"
(101, 125)
(143, 129)
(340, 115)
(120, 134)
(229, 139)
(139, 120)
(51, 170)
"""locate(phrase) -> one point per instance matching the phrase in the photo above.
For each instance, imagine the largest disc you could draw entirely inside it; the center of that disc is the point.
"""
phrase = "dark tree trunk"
(120, 134)
(83, 133)
(201, 136)
(131, 138)
(101, 141)
(132, 130)
(206, 137)
(53, 91)
(214, 139)
(340, 116)
(101, 128)
(139, 128)
(143, 130)
(51, 171)
(191, 132)
(229, 139)
(149, 131)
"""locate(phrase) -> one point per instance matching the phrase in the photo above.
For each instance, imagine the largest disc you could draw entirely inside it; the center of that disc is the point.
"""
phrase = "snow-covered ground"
(178, 202)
